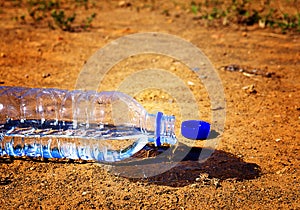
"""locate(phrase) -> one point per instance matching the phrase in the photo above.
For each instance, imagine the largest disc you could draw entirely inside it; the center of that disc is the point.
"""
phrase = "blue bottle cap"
(195, 129)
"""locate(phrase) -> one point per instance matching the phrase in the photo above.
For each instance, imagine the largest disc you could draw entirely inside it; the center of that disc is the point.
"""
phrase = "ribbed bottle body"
(82, 108)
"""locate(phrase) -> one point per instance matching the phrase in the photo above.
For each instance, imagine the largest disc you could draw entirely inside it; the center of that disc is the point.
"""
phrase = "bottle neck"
(161, 129)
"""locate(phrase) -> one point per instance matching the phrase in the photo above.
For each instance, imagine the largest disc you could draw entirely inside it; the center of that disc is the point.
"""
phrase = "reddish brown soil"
(256, 164)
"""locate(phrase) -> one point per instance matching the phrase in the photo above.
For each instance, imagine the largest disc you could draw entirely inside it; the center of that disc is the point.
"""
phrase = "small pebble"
(45, 75)
(124, 4)
(84, 193)
(193, 185)
(250, 89)
(191, 83)
(247, 74)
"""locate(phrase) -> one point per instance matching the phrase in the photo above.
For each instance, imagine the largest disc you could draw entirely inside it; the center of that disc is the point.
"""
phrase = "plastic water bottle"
(87, 125)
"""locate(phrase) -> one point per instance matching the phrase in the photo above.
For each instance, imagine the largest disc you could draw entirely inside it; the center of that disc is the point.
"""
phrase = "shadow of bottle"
(167, 169)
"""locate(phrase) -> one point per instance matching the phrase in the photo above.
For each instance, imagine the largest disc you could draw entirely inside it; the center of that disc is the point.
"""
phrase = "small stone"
(45, 75)
(3, 55)
(193, 185)
(124, 4)
(250, 89)
(247, 74)
(190, 83)
(278, 140)
(121, 3)
(84, 193)
(262, 23)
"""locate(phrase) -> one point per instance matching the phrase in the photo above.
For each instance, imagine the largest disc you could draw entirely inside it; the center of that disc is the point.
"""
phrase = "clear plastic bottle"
(87, 125)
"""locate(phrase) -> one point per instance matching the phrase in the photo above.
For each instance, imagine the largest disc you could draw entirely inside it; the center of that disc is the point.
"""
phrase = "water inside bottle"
(60, 139)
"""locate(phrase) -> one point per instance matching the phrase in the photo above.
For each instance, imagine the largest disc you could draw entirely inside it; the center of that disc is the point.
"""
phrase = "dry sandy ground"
(255, 164)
